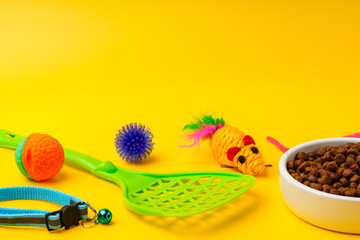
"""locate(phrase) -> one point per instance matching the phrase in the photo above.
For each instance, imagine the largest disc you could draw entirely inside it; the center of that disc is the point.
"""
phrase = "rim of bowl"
(283, 171)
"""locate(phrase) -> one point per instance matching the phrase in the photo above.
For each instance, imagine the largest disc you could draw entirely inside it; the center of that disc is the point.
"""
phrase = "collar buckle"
(69, 216)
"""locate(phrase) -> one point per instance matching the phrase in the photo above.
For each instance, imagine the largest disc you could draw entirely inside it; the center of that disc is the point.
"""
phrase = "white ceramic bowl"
(330, 211)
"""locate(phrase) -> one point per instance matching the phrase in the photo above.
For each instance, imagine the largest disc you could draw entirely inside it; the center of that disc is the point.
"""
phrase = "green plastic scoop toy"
(176, 194)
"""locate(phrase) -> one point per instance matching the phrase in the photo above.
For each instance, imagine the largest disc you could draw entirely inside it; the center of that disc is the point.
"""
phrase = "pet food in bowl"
(331, 169)
(328, 202)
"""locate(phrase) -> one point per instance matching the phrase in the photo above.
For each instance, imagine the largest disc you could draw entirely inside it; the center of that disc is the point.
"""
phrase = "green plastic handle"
(11, 141)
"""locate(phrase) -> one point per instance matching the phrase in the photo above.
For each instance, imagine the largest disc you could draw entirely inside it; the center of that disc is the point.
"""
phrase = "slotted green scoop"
(176, 194)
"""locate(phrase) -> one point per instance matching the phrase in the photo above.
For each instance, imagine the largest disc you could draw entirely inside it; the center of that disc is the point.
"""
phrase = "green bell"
(104, 216)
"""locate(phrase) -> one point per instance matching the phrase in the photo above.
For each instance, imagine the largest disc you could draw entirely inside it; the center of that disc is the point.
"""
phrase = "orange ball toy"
(39, 157)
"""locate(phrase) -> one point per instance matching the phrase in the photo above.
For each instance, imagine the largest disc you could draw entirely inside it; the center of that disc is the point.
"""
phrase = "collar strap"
(73, 210)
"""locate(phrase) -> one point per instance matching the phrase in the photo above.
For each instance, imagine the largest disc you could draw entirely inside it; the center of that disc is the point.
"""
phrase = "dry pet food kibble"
(333, 169)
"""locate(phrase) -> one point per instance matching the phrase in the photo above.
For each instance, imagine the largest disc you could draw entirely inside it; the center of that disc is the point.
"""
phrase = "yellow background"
(79, 70)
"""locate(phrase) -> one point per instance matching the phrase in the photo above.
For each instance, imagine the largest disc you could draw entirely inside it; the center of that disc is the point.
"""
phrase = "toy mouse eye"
(241, 159)
(255, 150)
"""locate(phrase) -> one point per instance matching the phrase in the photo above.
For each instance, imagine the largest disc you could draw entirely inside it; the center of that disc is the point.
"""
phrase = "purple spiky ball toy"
(134, 142)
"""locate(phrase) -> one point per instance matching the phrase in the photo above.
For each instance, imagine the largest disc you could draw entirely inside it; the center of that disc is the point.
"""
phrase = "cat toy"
(134, 142)
(231, 147)
(39, 157)
(175, 194)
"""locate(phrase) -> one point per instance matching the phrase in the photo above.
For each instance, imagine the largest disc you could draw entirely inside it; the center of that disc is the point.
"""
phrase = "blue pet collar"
(73, 210)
